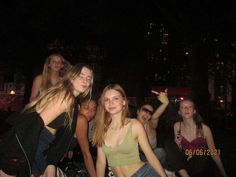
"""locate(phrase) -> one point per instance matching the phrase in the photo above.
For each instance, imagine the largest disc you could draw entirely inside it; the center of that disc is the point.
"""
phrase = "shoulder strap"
(130, 127)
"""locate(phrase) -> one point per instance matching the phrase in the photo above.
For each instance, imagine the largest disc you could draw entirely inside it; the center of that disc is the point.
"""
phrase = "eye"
(83, 77)
(88, 79)
(116, 98)
(80, 76)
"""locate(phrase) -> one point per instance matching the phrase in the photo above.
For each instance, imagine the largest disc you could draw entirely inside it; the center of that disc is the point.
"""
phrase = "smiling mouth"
(111, 108)
(84, 86)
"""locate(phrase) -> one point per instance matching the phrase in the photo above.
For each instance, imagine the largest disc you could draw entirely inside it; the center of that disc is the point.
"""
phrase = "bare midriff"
(126, 170)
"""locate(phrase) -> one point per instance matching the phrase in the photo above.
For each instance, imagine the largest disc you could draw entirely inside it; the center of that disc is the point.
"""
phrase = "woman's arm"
(82, 137)
(182, 172)
(177, 134)
(101, 162)
(212, 148)
(140, 134)
(36, 87)
(162, 97)
(50, 171)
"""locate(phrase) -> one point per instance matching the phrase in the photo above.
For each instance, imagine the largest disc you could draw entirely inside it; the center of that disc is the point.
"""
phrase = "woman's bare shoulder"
(38, 77)
(176, 124)
(135, 123)
(82, 119)
(206, 129)
(131, 120)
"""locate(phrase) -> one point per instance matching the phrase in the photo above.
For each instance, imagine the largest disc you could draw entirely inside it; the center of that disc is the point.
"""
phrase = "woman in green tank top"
(117, 138)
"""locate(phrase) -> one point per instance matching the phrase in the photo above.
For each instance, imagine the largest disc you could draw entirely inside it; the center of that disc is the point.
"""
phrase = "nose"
(58, 63)
(84, 80)
(110, 102)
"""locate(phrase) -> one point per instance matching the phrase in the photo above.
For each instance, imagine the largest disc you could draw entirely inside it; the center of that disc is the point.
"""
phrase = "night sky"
(28, 25)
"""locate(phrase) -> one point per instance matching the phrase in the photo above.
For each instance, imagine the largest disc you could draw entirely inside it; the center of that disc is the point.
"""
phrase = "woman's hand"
(50, 171)
(163, 97)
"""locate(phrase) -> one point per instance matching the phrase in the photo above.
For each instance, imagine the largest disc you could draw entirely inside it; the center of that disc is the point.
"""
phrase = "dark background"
(116, 36)
(121, 39)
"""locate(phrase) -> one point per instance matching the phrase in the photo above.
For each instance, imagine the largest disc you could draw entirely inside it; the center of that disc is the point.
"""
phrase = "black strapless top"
(58, 122)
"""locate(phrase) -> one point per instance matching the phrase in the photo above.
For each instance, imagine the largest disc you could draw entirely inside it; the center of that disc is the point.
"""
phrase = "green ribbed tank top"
(124, 154)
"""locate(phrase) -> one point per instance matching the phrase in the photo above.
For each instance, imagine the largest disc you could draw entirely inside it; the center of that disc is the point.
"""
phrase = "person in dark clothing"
(42, 131)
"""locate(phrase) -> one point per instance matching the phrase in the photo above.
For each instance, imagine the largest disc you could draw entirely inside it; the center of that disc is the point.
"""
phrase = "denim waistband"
(145, 171)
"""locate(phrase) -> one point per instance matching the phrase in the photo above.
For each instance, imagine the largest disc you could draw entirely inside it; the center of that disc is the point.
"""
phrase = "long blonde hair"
(64, 87)
(103, 119)
(46, 80)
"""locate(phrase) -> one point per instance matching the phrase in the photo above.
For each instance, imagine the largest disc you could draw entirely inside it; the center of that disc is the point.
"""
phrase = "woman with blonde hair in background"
(118, 138)
(39, 139)
(54, 69)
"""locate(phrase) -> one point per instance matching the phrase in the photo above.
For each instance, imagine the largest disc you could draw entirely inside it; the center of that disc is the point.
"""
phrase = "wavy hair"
(64, 87)
(46, 80)
(103, 119)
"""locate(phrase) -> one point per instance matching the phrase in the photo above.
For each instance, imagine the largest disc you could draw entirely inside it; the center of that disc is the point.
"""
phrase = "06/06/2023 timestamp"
(210, 152)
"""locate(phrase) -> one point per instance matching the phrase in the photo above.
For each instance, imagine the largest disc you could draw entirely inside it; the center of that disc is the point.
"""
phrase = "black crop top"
(58, 122)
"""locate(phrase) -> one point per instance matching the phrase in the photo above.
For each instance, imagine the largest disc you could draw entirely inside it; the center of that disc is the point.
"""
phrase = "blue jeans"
(40, 162)
(160, 154)
(146, 171)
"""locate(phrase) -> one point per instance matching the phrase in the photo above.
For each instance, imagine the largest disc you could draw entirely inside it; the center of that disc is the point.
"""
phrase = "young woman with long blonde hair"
(40, 137)
(55, 66)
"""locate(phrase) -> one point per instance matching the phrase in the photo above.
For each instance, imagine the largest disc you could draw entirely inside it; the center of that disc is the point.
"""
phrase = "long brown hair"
(196, 117)
(64, 87)
(103, 119)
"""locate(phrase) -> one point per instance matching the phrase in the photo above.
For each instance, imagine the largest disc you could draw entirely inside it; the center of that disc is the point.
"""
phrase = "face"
(88, 109)
(83, 81)
(113, 102)
(145, 113)
(55, 63)
(186, 109)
